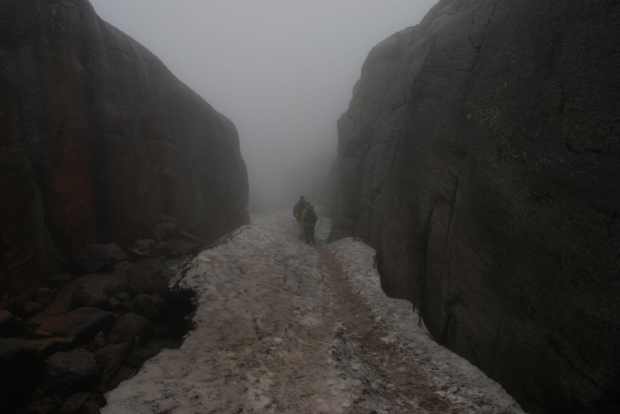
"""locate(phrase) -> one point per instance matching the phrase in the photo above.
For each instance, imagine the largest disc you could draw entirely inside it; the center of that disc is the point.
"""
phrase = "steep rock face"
(480, 156)
(98, 139)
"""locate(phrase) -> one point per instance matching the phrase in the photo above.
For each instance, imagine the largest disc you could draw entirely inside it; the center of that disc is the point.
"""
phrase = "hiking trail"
(284, 327)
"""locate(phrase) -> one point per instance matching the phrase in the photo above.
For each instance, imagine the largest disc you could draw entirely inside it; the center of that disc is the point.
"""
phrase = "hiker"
(309, 219)
(297, 210)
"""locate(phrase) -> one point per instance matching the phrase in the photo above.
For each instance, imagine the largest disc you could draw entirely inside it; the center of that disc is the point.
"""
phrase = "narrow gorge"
(468, 259)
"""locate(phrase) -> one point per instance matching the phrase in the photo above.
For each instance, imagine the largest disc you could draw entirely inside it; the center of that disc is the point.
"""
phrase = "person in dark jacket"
(297, 210)
(309, 219)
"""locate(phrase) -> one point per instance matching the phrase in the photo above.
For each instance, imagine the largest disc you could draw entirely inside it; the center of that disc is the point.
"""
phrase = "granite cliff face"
(480, 156)
(98, 139)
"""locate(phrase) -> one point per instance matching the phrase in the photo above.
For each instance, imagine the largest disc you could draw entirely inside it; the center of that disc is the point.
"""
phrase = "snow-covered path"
(283, 327)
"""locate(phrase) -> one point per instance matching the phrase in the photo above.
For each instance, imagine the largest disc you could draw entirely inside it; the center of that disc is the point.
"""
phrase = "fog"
(281, 70)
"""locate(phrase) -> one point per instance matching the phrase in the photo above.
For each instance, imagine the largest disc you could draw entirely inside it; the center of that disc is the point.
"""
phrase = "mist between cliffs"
(282, 71)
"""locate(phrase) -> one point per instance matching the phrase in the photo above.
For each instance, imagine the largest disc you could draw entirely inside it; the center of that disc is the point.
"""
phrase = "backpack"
(311, 217)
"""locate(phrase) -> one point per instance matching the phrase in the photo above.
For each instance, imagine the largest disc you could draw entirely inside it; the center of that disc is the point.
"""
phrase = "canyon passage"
(284, 327)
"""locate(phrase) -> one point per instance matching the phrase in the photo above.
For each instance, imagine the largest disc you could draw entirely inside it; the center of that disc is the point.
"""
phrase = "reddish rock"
(85, 291)
(82, 324)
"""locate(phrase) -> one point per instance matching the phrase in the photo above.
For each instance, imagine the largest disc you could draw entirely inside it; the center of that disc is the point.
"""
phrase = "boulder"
(84, 291)
(41, 347)
(142, 247)
(74, 404)
(165, 229)
(116, 252)
(124, 373)
(66, 373)
(149, 306)
(110, 359)
(90, 408)
(80, 324)
(130, 328)
(121, 267)
(44, 296)
(149, 277)
(30, 308)
(97, 342)
(480, 158)
(139, 355)
(97, 399)
(92, 259)
(88, 295)
(122, 301)
(161, 250)
(61, 280)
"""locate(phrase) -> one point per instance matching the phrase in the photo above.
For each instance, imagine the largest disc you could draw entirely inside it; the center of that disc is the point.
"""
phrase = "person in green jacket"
(309, 219)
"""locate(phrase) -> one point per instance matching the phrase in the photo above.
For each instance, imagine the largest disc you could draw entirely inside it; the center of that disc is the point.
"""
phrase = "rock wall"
(480, 156)
(98, 139)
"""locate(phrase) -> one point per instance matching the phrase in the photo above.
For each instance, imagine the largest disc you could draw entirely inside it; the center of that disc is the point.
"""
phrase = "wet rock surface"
(98, 141)
(479, 157)
(284, 327)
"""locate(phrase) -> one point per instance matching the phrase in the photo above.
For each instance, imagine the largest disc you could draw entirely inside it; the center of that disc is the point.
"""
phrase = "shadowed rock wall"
(97, 140)
(480, 156)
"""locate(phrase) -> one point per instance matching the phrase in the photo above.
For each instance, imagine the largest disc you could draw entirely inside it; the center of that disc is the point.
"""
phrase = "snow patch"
(282, 326)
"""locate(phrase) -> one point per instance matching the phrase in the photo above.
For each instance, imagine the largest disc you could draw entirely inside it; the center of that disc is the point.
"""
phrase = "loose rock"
(149, 277)
(92, 259)
(148, 306)
(131, 328)
(81, 324)
(66, 373)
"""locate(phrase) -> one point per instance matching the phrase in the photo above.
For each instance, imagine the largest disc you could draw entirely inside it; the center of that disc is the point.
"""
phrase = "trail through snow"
(283, 327)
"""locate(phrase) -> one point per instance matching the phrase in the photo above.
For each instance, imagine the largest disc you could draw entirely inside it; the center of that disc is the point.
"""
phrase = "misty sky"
(281, 70)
